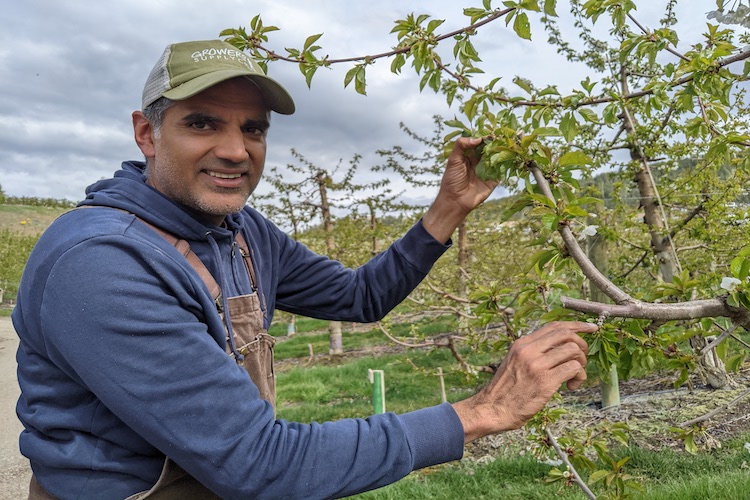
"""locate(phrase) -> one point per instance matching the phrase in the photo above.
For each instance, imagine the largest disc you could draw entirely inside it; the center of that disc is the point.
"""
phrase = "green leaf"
(551, 221)
(734, 363)
(597, 476)
(549, 7)
(588, 115)
(690, 445)
(543, 200)
(546, 132)
(569, 127)
(521, 26)
(350, 75)
(577, 158)
(575, 211)
(434, 24)
(311, 40)
(503, 156)
(398, 63)
(483, 171)
(524, 84)
(736, 267)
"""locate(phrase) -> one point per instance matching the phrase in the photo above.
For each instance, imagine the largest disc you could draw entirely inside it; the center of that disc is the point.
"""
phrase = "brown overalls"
(254, 344)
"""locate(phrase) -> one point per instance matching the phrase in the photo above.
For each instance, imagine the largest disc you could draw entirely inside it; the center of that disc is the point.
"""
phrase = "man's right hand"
(534, 369)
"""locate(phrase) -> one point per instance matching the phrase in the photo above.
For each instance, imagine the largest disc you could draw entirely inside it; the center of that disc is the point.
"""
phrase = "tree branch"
(711, 414)
(401, 50)
(564, 457)
(624, 305)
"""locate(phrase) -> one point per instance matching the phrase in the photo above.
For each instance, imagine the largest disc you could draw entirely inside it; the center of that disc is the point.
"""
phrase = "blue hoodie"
(122, 362)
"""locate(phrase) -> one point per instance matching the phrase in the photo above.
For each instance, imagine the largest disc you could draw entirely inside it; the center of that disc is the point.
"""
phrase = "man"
(135, 354)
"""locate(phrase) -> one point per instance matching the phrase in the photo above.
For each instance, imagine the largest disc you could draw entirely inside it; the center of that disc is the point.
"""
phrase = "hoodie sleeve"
(123, 320)
(318, 287)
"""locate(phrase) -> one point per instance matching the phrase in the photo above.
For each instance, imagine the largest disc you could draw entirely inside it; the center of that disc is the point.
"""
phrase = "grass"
(665, 475)
(342, 390)
(315, 333)
(332, 388)
(26, 219)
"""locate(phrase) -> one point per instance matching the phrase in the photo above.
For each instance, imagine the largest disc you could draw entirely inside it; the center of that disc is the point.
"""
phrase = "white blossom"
(588, 231)
(729, 284)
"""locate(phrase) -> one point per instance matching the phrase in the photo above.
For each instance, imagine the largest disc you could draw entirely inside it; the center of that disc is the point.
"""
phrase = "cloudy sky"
(71, 73)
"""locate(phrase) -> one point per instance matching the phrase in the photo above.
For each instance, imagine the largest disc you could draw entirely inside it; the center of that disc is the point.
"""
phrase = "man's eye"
(199, 125)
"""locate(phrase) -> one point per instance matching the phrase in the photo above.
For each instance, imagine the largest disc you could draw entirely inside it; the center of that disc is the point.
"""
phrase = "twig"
(448, 295)
(564, 457)
(726, 333)
(735, 337)
(405, 344)
(716, 411)
(401, 50)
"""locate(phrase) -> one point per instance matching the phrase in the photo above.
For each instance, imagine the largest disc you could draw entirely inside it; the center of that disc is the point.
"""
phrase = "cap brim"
(276, 96)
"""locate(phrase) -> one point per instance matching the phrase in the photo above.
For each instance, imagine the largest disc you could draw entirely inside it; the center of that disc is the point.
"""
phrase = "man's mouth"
(222, 175)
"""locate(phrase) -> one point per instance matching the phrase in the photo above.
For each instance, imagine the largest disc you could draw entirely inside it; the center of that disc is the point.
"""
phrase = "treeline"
(37, 202)
(34, 201)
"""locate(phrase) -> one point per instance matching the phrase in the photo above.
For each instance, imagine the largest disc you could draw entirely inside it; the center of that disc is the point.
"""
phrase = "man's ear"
(144, 134)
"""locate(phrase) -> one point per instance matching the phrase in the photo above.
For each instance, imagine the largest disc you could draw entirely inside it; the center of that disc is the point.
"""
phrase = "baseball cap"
(188, 68)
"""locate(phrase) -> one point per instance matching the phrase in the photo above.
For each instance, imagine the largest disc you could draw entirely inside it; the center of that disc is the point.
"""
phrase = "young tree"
(679, 113)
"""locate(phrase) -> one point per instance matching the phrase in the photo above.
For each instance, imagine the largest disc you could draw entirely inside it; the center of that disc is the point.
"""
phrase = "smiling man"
(145, 366)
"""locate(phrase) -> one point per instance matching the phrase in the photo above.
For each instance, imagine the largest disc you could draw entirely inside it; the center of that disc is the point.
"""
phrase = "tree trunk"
(652, 218)
(374, 229)
(597, 252)
(710, 367)
(336, 347)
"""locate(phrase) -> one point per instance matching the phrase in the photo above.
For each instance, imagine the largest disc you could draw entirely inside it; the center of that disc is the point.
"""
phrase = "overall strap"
(247, 255)
(183, 247)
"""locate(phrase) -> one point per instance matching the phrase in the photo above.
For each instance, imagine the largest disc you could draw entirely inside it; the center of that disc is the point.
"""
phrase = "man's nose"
(231, 147)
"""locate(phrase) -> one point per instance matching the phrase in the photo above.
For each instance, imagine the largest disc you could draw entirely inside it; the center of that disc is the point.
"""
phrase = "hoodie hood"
(128, 191)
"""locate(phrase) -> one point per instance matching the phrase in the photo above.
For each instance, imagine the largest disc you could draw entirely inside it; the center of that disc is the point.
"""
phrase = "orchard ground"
(650, 406)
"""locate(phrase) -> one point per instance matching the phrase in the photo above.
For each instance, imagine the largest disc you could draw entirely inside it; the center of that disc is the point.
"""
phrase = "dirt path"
(14, 469)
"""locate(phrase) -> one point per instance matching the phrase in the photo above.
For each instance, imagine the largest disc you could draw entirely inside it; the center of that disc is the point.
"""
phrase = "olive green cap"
(188, 68)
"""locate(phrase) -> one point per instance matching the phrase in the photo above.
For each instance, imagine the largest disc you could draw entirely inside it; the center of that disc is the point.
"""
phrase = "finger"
(464, 149)
(466, 143)
(561, 354)
(554, 334)
(571, 372)
(578, 380)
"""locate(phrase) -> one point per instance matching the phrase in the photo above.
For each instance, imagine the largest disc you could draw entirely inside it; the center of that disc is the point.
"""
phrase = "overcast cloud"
(71, 73)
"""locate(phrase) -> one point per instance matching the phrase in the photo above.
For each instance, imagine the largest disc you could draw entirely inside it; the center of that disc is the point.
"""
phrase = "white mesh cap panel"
(158, 80)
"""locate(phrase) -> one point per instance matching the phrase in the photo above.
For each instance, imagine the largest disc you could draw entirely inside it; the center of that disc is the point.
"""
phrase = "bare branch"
(448, 295)
(577, 253)
(715, 412)
(564, 457)
(693, 309)
(726, 333)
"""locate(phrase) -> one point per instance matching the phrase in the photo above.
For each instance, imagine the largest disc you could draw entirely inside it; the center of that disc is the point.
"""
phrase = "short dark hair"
(154, 112)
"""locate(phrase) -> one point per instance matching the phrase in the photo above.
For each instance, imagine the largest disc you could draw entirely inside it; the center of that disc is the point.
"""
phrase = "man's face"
(211, 148)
